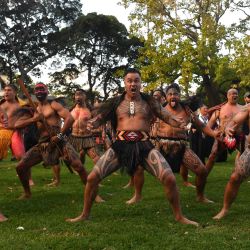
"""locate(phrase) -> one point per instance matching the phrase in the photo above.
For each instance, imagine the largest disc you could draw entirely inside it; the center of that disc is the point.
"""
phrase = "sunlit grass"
(113, 224)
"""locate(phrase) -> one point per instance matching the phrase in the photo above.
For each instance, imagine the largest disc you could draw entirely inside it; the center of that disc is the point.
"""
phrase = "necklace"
(131, 108)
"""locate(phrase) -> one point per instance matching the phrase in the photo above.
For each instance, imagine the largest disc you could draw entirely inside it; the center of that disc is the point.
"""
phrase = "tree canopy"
(190, 42)
(99, 47)
(25, 29)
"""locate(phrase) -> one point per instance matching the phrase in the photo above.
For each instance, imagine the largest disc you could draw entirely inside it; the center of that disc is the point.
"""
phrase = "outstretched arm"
(199, 124)
(24, 121)
(238, 120)
(167, 117)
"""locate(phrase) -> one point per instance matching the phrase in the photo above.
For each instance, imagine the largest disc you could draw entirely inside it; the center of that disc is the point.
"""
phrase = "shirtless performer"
(131, 115)
(8, 135)
(242, 164)
(160, 96)
(9, 106)
(81, 138)
(224, 115)
(52, 144)
(173, 142)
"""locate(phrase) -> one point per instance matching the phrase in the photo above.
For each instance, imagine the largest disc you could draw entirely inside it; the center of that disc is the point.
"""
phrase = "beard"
(41, 97)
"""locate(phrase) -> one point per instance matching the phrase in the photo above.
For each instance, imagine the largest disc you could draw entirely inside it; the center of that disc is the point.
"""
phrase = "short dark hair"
(81, 90)
(173, 86)
(14, 87)
(132, 70)
(161, 91)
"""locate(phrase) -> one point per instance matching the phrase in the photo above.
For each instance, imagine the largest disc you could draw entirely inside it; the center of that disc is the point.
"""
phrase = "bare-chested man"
(173, 142)
(131, 115)
(242, 164)
(223, 115)
(9, 106)
(81, 138)
(52, 144)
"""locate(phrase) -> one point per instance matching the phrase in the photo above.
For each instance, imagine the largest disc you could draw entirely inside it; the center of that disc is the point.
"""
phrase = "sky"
(107, 7)
(111, 7)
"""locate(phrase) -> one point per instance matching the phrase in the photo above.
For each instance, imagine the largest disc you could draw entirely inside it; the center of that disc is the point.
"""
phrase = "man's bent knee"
(93, 178)
(169, 180)
(235, 178)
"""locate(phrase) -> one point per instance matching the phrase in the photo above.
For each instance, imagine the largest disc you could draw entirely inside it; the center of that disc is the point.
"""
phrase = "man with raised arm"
(131, 115)
(173, 141)
(52, 143)
(242, 164)
(223, 115)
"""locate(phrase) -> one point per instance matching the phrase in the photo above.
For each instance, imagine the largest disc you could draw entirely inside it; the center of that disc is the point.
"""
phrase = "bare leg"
(138, 183)
(2, 217)
(157, 166)
(184, 175)
(56, 176)
(130, 183)
(191, 161)
(31, 158)
(93, 155)
(212, 156)
(31, 182)
(230, 194)
(106, 165)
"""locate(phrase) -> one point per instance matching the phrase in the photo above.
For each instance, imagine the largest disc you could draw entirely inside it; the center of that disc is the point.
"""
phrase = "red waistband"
(133, 136)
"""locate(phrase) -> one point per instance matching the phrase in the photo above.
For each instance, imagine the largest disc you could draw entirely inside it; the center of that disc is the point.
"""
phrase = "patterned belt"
(133, 136)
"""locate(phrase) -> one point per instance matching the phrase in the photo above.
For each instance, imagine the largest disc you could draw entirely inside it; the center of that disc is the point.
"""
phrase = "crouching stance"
(52, 144)
(242, 163)
(131, 116)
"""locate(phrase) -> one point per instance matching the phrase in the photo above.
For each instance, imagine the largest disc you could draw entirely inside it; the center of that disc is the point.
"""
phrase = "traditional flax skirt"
(81, 143)
(173, 151)
(132, 147)
(5, 140)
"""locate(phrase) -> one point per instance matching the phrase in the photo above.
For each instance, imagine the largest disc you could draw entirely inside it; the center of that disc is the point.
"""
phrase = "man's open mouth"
(133, 90)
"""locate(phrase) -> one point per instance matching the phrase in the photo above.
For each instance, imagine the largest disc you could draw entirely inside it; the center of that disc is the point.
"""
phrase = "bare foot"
(188, 184)
(220, 215)
(99, 199)
(2, 218)
(54, 184)
(77, 219)
(130, 184)
(31, 183)
(134, 200)
(204, 200)
(184, 220)
(24, 196)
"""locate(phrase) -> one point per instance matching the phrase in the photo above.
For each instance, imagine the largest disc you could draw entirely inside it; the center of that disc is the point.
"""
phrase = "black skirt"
(132, 154)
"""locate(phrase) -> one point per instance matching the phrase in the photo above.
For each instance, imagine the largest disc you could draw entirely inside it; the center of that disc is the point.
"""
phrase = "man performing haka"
(172, 142)
(81, 138)
(52, 144)
(242, 164)
(224, 115)
(131, 115)
(9, 105)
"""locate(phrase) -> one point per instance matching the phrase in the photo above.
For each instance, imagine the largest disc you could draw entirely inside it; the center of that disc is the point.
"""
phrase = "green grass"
(113, 224)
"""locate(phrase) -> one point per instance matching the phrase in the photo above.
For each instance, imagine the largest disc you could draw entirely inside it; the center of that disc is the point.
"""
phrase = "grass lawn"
(115, 225)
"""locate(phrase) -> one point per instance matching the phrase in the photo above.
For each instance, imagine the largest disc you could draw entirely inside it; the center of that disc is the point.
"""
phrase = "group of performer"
(147, 132)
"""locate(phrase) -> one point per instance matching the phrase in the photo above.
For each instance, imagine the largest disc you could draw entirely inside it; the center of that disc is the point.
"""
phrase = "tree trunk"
(211, 91)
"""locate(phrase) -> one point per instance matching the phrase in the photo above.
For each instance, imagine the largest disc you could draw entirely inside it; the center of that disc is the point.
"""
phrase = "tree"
(25, 29)
(100, 48)
(186, 40)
